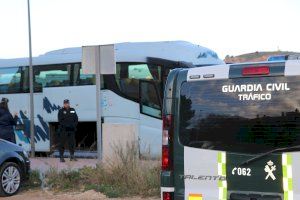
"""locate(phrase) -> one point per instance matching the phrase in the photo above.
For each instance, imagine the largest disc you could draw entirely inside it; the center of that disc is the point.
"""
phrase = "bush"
(126, 175)
(64, 180)
(34, 180)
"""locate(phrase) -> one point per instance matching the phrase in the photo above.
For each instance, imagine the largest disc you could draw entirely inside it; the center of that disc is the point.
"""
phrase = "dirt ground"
(46, 195)
(44, 164)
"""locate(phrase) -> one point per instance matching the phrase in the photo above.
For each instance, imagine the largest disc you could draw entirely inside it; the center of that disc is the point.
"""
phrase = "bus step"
(78, 154)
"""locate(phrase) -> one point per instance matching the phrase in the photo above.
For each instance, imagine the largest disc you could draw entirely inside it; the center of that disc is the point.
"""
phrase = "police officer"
(7, 122)
(68, 121)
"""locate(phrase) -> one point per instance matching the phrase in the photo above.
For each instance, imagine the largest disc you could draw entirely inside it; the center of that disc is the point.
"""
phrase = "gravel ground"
(46, 195)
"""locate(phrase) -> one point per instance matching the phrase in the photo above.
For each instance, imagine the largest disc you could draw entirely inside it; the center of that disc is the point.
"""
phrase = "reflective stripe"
(195, 197)
(222, 172)
(287, 176)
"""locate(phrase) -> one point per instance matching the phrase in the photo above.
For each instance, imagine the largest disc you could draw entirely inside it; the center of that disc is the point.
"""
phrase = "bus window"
(79, 78)
(86, 79)
(149, 99)
(212, 118)
(139, 71)
(129, 74)
(11, 80)
(51, 76)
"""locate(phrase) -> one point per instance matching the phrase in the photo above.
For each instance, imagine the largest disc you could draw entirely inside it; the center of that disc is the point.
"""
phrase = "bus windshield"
(246, 115)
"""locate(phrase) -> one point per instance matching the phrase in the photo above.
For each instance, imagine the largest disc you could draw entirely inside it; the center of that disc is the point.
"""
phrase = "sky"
(229, 27)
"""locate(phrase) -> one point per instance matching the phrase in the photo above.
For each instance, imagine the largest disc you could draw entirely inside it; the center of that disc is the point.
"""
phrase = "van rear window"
(246, 115)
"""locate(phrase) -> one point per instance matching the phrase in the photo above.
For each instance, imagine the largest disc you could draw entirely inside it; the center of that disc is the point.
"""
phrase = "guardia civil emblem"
(269, 169)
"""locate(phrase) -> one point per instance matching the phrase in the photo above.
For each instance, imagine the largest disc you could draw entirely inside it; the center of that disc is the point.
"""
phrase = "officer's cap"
(66, 101)
(4, 100)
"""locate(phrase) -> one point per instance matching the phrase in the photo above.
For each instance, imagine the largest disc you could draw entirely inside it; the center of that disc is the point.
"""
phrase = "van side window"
(129, 74)
(51, 76)
(11, 80)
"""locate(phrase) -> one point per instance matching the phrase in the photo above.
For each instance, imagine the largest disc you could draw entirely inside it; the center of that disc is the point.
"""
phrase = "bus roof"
(129, 52)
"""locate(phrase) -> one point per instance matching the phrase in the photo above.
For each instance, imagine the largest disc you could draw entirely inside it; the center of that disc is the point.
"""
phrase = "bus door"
(150, 99)
(150, 117)
(53, 84)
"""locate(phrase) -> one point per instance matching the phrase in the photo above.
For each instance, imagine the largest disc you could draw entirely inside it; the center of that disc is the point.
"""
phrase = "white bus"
(133, 95)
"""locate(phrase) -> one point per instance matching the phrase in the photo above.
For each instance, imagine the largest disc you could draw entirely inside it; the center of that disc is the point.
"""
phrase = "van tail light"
(167, 195)
(167, 121)
(167, 135)
(256, 71)
(165, 163)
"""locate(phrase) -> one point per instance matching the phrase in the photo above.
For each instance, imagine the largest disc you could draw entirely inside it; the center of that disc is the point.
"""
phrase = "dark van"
(232, 132)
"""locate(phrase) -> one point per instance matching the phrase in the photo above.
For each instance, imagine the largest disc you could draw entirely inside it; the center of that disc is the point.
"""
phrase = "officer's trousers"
(69, 138)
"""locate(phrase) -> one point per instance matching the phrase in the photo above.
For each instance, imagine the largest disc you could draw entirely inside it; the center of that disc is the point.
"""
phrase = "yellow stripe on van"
(222, 172)
(195, 197)
(287, 176)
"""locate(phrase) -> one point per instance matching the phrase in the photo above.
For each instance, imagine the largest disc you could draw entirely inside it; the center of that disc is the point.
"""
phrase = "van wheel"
(10, 179)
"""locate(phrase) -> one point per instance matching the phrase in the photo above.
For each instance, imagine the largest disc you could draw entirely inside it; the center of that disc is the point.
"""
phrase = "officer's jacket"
(67, 119)
(7, 122)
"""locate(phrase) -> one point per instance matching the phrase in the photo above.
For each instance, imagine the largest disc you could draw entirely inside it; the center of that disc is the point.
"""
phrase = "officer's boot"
(62, 159)
(72, 158)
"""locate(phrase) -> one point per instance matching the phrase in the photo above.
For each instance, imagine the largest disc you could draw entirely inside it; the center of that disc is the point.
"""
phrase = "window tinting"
(51, 76)
(86, 79)
(13, 80)
(214, 119)
(79, 78)
(82, 79)
(129, 74)
(150, 99)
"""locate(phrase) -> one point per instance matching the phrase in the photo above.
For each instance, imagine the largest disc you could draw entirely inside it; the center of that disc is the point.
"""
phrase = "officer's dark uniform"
(68, 121)
(7, 123)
